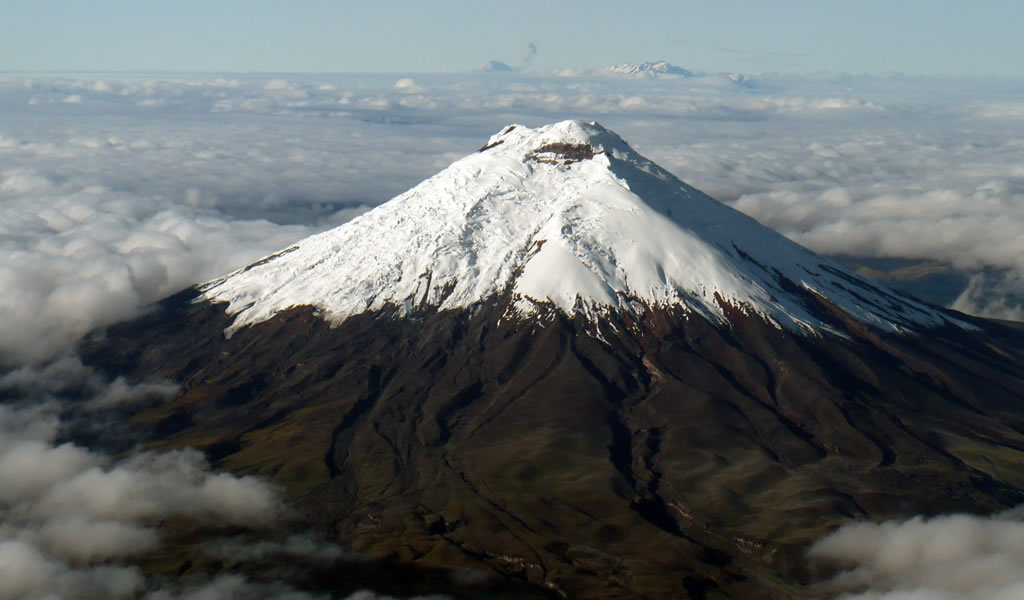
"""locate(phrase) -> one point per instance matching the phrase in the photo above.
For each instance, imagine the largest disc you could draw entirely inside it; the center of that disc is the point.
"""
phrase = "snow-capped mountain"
(649, 69)
(565, 216)
(558, 368)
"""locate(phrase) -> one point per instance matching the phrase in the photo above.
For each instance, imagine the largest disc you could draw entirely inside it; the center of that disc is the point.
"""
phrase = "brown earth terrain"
(644, 456)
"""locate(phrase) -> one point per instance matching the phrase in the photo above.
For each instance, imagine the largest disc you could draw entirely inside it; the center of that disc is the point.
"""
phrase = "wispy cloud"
(531, 52)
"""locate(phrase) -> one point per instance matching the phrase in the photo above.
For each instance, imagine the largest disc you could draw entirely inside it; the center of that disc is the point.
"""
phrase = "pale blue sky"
(928, 37)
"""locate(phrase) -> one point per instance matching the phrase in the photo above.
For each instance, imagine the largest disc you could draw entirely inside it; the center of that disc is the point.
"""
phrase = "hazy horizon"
(913, 37)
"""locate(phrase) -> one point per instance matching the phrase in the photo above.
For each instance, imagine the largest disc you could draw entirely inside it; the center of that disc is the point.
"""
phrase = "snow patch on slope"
(565, 215)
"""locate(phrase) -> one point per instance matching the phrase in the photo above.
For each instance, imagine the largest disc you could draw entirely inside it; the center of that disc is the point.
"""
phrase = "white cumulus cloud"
(954, 557)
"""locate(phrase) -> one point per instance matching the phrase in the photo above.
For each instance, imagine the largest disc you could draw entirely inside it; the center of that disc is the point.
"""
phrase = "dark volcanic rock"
(652, 456)
(568, 153)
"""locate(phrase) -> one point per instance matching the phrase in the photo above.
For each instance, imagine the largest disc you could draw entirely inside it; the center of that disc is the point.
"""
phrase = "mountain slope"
(673, 459)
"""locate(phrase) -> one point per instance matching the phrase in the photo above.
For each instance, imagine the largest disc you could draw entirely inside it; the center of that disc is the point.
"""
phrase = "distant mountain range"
(647, 70)
(664, 70)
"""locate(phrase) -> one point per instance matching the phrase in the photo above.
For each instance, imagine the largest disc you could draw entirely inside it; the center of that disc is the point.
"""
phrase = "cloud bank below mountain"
(953, 557)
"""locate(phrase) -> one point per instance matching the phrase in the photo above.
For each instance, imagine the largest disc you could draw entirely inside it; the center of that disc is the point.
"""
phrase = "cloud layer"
(955, 557)
(70, 517)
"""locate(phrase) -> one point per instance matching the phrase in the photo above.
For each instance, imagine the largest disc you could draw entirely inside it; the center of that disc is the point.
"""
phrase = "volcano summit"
(555, 363)
(567, 216)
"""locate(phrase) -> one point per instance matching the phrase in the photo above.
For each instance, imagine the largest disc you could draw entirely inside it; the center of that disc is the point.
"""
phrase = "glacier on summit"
(564, 216)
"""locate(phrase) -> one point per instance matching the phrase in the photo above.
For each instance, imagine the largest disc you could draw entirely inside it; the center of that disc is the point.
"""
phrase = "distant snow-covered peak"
(567, 217)
(495, 66)
(649, 69)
